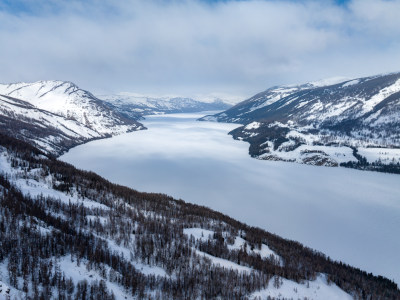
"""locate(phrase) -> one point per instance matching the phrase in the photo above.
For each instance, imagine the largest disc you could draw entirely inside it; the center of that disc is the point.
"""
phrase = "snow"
(309, 138)
(210, 118)
(319, 289)
(101, 220)
(204, 235)
(302, 104)
(384, 155)
(79, 273)
(381, 95)
(338, 154)
(70, 103)
(338, 109)
(35, 189)
(8, 292)
(199, 233)
(253, 125)
(141, 267)
(223, 263)
(43, 187)
(149, 270)
(328, 81)
(316, 107)
(42, 118)
(351, 82)
(273, 96)
(377, 119)
(128, 254)
(152, 104)
(231, 99)
(264, 252)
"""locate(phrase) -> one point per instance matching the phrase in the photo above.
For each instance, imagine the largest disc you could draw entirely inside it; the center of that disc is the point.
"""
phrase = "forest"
(112, 229)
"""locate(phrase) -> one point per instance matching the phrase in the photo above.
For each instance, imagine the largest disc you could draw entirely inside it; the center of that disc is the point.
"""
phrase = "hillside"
(346, 123)
(57, 115)
(66, 232)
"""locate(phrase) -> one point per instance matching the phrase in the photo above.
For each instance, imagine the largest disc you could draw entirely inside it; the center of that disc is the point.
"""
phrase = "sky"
(196, 47)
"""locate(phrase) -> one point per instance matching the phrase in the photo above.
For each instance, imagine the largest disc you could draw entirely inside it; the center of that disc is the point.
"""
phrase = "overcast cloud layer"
(196, 47)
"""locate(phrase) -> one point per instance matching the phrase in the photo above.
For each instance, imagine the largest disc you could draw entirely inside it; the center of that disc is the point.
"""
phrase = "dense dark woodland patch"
(157, 222)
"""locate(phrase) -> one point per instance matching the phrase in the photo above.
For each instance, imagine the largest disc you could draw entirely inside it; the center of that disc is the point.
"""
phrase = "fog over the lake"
(350, 215)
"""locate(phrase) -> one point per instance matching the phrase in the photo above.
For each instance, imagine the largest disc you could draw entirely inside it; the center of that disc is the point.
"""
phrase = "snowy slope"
(362, 112)
(237, 113)
(58, 115)
(318, 289)
(66, 99)
(51, 132)
(66, 233)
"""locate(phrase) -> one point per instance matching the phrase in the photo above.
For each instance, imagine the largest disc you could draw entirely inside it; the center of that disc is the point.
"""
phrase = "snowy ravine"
(57, 115)
(66, 232)
(324, 123)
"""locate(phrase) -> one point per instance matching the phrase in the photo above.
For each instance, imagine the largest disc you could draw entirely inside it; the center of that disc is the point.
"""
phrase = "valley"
(348, 214)
(200, 149)
(336, 211)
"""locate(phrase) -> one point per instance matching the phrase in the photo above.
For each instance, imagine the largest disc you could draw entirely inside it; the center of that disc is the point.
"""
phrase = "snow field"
(319, 289)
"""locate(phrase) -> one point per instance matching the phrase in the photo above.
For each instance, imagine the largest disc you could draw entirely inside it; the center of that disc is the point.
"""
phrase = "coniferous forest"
(114, 231)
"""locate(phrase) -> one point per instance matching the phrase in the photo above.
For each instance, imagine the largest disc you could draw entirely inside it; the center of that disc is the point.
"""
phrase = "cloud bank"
(189, 47)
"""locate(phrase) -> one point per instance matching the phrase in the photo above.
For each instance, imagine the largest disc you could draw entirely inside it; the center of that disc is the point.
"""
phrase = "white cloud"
(193, 47)
(378, 17)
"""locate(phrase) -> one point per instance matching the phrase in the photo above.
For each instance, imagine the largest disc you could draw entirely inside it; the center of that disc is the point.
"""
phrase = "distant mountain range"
(136, 106)
(327, 124)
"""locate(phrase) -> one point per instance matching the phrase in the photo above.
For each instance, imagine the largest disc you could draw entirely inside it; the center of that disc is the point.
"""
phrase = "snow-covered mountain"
(70, 234)
(317, 123)
(58, 115)
(136, 106)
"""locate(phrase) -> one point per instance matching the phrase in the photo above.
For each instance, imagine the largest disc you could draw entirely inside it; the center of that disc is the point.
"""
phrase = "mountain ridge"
(58, 115)
(359, 114)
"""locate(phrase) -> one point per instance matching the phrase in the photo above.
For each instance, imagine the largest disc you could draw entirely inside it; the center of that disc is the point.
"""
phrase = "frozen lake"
(350, 215)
